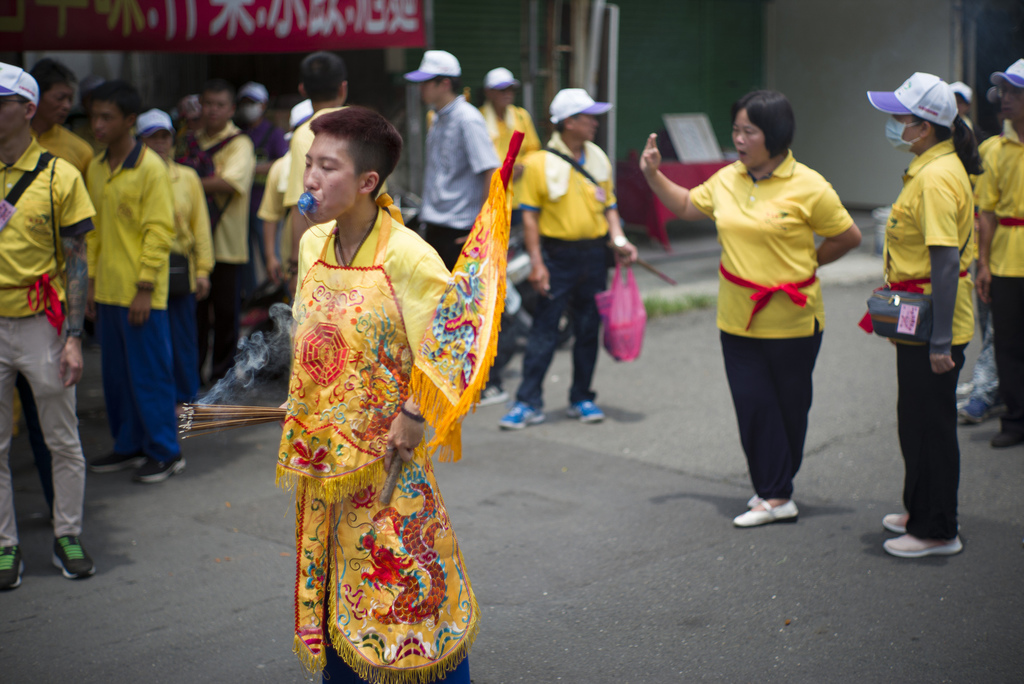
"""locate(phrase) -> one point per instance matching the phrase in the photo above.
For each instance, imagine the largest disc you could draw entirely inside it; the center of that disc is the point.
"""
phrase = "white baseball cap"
(926, 96)
(152, 121)
(435, 63)
(254, 91)
(499, 79)
(572, 101)
(1014, 75)
(963, 90)
(16, 81)
(300, 113)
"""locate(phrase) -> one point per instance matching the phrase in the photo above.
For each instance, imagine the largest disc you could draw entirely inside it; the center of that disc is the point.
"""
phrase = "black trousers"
(220, 313)
(926, 413)
(1008, 325)
(443, 240)
(771, 387)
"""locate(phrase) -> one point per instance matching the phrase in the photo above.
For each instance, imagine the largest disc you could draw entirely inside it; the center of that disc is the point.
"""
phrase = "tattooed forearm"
(77, 270)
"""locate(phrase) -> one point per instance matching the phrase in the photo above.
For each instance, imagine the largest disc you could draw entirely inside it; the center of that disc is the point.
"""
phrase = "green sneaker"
(71, 558)
(11, 567)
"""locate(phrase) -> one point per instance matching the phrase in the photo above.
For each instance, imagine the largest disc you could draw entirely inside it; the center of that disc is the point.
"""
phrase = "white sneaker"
(894, 522)
(786, 512)
(491, 395)
(909, 546)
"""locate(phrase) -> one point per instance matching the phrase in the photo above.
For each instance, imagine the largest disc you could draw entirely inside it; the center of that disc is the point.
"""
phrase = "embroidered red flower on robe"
(302, 458)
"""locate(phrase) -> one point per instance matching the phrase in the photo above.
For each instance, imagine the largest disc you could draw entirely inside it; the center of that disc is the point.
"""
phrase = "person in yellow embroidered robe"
(381, 591)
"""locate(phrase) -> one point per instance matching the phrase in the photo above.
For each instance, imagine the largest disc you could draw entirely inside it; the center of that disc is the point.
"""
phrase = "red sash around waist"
(763, 294)
(913, 285)
(1011, 221)
(46, 297)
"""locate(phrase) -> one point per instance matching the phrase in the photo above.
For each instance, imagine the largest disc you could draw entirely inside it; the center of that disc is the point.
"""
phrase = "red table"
(637, 203)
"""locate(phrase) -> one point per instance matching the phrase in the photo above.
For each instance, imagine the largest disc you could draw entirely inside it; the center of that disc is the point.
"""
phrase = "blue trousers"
(577, 273)
(181, 312)
(770, 382)
(138, 383)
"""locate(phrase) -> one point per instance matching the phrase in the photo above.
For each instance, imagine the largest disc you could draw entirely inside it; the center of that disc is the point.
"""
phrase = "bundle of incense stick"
(206, 419)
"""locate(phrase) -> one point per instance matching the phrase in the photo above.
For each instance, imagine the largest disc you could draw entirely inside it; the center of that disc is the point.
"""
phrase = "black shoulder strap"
(575, 164)
(26, 179)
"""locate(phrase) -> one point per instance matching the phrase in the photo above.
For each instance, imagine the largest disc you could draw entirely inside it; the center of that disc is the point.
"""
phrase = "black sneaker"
(71, 558)
(11, 567)
(158, 471)
(116, 461)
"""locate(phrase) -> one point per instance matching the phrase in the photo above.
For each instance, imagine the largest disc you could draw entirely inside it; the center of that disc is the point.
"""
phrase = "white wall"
(824, 54)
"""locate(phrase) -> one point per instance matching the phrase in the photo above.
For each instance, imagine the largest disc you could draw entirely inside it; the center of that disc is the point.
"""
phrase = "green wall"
(685, 56)
(675, 56)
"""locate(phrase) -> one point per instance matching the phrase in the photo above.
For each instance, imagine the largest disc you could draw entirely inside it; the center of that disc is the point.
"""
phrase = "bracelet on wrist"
(410, 414)
(145, 287)
(74, 332)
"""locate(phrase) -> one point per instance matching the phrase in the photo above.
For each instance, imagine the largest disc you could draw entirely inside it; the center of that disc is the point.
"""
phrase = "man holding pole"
(381, 591)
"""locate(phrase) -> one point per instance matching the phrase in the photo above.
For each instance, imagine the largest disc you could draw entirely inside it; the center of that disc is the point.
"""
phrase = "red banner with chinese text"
(235, 26)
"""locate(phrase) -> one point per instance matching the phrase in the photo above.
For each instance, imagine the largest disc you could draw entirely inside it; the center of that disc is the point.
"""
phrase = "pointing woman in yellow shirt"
(929, 243)
(768, 208)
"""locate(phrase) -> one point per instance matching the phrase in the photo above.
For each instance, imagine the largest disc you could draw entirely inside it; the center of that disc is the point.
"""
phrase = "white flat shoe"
(787, 512)
(909, 546)
(754, 500)
(892, 522)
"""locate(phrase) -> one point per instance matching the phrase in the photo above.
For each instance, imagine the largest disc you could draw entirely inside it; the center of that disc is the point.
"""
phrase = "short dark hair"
(321, 74)
(771, 112)
(122, 94)
(218, 85)
(373, 142)
(49, 72)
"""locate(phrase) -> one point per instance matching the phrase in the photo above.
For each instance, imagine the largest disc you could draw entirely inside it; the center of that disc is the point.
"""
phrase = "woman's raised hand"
(650, 160)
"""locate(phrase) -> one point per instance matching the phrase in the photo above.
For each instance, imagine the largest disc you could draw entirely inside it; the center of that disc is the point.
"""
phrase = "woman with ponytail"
(928, 246)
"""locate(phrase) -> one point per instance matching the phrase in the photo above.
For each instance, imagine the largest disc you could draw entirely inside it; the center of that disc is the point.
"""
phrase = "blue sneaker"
(976, 411)
(520, 416)
(585, 412)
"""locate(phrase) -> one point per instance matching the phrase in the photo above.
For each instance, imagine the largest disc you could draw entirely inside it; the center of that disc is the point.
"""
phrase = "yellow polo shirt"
(235, 163)
(191, 221)
(62, 143)
(27, 248)
(766, 229)
(417, 274)
(934, 209)
(272, 205)
(1001, 191)
(576, 215)
(298, 146)
(501, 136)
(134, 226)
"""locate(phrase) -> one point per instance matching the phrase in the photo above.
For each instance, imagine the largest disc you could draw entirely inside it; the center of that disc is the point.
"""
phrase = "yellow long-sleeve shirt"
(134, 226)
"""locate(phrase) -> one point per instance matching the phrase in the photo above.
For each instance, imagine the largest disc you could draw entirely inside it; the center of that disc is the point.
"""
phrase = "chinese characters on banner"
(210, 25)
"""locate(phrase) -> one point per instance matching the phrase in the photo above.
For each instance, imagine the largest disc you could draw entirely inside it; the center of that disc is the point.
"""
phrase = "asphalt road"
(598, 553)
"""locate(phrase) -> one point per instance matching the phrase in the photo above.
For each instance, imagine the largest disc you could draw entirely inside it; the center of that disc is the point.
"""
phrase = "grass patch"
(658, 306)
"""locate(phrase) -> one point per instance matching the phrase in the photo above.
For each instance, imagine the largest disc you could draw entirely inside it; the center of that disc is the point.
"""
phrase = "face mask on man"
(894, 134)
(250, 112)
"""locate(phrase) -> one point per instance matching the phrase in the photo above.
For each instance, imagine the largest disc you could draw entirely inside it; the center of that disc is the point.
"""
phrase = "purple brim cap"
(419, 76)
(597, 108)
(153, 129)
(503, 85)
(1002, 77)
(886, 102)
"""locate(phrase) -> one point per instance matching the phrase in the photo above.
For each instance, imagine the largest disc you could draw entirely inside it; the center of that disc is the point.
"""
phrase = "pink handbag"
(622, 310)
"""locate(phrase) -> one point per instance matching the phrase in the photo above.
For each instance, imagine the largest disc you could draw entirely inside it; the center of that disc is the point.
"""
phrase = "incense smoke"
(262, 363)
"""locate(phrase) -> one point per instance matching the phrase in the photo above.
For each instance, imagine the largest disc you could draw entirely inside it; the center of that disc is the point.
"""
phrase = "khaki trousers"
(33, 347)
